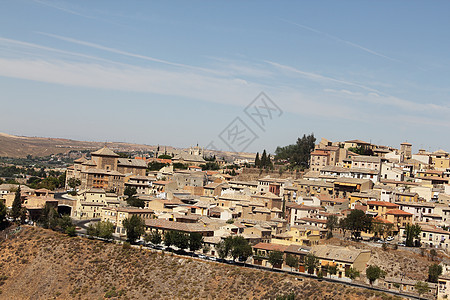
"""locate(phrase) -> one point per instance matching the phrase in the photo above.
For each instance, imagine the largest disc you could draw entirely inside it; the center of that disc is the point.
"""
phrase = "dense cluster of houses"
(394, 186)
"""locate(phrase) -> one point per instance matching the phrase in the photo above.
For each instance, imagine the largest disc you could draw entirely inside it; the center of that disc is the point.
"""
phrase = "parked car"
(390, 238)
(212, 258)
(402, 244)
(202, 256)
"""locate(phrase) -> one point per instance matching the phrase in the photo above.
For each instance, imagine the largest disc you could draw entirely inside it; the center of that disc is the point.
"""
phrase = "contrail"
(341, 40)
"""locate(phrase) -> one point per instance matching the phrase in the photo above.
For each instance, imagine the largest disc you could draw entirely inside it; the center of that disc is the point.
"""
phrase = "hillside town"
(335, 218)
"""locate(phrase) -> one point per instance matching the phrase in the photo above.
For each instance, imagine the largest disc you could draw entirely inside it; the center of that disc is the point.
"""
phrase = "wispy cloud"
(126, 53)
(372, 95)
(318, 77)
(74, 12)
(341, 40)
(20, 46)
(232, 82)
(64, 9)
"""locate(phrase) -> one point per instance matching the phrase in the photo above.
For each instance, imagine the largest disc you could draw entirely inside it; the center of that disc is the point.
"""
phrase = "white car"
(390, 238)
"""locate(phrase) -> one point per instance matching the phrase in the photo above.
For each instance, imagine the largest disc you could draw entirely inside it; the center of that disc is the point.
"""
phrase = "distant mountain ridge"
(21, 146)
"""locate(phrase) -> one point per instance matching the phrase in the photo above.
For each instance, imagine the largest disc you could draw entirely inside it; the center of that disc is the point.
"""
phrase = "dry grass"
(41, 264)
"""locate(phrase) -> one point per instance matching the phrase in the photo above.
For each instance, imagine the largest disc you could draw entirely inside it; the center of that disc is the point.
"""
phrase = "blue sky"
(180, 72)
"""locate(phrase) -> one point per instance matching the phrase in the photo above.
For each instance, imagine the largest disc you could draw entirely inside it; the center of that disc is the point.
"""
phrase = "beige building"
(105, 170)
(89, 203)
(443, 287)
(405, 151)
(300, 235)
(116, 215)
(344, 258)
(356, 144)
(141, 183)
(363, 162)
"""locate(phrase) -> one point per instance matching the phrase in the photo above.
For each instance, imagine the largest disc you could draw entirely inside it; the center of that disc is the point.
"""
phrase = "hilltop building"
(105, 170)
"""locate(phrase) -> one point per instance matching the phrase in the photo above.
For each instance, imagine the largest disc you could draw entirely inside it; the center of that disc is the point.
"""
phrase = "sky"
(228, 75)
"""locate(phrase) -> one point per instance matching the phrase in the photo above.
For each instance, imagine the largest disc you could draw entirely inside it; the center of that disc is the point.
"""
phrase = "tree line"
(265, 162)
(297, 155)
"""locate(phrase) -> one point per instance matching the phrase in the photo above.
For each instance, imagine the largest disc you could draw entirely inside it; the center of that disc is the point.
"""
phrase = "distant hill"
(42, 264)
(21, 146)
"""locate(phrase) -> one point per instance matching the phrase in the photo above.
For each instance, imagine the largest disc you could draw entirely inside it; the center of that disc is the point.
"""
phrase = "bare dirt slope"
(400, 263)
(41, 264)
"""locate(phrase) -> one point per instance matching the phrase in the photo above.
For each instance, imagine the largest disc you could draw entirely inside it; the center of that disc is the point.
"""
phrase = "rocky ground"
(40, 264)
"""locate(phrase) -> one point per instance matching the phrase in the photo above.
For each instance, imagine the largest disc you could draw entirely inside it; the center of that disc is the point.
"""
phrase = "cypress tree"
(257, 160)
(16, 205)
(263, 159)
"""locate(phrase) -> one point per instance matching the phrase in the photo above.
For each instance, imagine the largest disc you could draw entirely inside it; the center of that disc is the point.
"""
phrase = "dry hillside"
(21, 146)
(41, 264)
(396, 263)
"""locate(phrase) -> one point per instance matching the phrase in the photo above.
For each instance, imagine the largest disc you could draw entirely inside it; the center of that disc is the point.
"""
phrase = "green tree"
(421, 287)
(195, 241)
(292, 261)
(71, 231)
(298, 154)
(64, 223)
(135, 202)
(239, 247)
(3, 213)
(155, 166)
(275, 258)
(104, 230)
(311, 263)
(49, 217)
(332, 223)
(351, 273)
(154, 237)
(16, 209)
(357, 221)
(91, 230)
(131, 199)
(236, 246)
(165, 156)
(361, 151)
(257, 160)
(263, 161)
(180, 166)
(412, 234)
(129, 192)
(168, 238)
(222, 249)
(73, 183)
(181, 240)
(374, 272)
(245, 251)
(206, 248)
(134, 227)
(433, 254)
(382, 230)
(332, 269)
(343, 225)
(434, 271)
